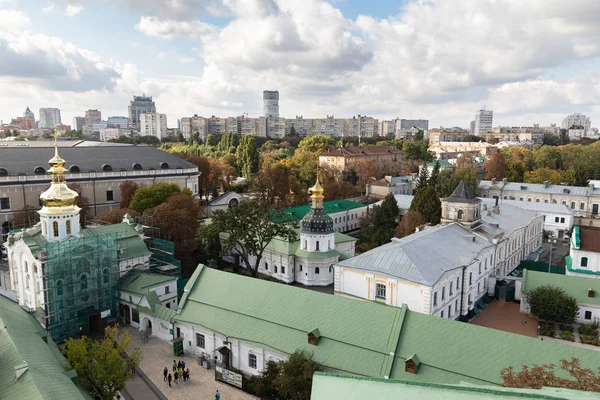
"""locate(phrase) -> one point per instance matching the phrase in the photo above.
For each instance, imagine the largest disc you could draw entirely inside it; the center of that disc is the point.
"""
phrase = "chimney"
(21, 369)
(493, 181)
(546, 183)
(591, 186)
(504, 180)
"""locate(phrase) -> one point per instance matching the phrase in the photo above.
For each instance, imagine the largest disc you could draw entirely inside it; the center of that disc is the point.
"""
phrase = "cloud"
(186, 59)
(73, 9)
(13, 22)
(174, 9)
(49, 8)
(168, 29)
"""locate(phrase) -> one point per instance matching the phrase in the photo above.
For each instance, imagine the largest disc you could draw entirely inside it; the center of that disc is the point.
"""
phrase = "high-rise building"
(140, 105)
(78, 123)
(49, 118)
(422, 124)
(472, 127)
(118, 122)
(271, 103)
(92, 117)
(576, 120)
(153, 124)
(28, 113)
(483, 121)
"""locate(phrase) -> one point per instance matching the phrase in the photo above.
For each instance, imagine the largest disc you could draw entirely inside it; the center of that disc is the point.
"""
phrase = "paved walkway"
(158, 354)
(506, 316)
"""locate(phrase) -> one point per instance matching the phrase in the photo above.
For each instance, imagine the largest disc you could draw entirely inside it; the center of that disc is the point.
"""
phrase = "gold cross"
(55, 138)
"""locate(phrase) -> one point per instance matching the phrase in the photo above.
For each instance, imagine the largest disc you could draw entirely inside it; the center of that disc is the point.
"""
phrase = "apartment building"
(153, 124)
(344, 158)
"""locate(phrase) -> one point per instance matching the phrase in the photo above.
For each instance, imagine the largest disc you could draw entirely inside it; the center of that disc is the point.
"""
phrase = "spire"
(317, 194)
(59, 194)
(462, 194)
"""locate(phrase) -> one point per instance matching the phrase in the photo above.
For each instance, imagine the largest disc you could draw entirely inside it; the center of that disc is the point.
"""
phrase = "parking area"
(506, 316)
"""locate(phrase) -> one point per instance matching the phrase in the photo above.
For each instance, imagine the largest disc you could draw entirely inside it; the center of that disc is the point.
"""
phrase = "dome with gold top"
(317, 220)
(58, 194)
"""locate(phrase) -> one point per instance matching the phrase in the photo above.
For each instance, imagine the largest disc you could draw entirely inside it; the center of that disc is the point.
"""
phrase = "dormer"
(591, 293)
(411, 365)
(313, 337)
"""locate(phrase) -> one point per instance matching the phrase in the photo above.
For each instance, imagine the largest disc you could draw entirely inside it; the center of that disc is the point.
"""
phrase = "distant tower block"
(271, 103)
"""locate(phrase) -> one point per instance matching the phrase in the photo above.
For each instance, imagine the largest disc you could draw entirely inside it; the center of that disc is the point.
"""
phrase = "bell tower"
(462, 207)
(317, 232)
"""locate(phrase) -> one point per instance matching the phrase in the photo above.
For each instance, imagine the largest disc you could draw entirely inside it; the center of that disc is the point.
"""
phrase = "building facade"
(344, 158)
(140, 105)
(584, 254)
(78, 123)
(92, 117)
(439, 136)
(29, 113)
(421, 124)
(483, 121)
(119, 122)
(49, 118)
(107, 134)
(578, 120)
(153, 124)
(271, 103)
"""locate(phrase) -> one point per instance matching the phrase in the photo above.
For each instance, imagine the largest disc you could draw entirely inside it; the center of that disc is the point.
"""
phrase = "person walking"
(170, 378)
(174, 366)
(187, 374)
(180, 371)
(217, 395)
(182, 364)
(176, 374)
(165, 373)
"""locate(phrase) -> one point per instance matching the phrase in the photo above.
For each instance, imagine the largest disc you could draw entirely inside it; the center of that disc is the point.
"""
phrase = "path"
(506, 316)
(158, 354)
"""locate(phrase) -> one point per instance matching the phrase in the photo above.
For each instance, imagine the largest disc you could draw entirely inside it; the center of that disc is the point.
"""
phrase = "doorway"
(95, 323)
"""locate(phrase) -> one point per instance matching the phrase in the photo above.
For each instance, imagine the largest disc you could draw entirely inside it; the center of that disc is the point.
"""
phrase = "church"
(69, 277)
(308, 260)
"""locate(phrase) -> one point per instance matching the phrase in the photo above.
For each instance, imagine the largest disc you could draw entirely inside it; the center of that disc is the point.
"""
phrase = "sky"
(532, 61)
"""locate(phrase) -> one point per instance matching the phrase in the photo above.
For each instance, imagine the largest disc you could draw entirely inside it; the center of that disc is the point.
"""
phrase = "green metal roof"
(326, 386)
(330, 207)
(317, 255)
(21, 341)
(140, 282)
(133, 247)
(443, 164)
(359, 337)
(575, 286)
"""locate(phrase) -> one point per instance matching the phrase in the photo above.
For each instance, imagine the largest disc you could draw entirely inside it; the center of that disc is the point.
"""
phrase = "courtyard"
(158, 354)
(505, 316)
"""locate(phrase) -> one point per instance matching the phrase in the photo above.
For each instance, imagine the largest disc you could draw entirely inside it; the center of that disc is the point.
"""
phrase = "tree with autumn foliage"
(84, 203)
(409, 223)
(545, 375)
(128, 189)
(116, 216)
(25, 217)
(495, 167)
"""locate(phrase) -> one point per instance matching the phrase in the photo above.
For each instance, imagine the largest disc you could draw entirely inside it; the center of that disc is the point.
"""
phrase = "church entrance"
(125, 313)
(95, 324)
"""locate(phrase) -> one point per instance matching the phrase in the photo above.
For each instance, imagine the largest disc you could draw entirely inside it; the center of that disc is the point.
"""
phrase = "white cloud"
(186, 59)
(49, 8)
(73, 9)
(13, 22)
(168, 29)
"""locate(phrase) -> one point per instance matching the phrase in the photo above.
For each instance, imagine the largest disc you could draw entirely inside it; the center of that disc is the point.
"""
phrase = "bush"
(547, 329)
(587, 339)
(566, 335)
(566, 328)
(552, 303)
(588, 330)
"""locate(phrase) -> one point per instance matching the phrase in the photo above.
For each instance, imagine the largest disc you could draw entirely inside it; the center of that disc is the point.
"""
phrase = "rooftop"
(330, 207)
(462, 194)
(509, 219)
(354, 151)
(141, 282)
(590, 238)
(530, 205)
(537, 188)
(575, 286)
(403, 200)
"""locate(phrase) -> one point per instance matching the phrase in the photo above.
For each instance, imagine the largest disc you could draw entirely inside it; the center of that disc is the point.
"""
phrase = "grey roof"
(510, 219)
(462, 194)
(535, 188)
(423, 257)
(403, 200)
(25, 160)
(532, 206)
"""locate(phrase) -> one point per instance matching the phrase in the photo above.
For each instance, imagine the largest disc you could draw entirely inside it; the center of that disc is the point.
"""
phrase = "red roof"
(355, 151)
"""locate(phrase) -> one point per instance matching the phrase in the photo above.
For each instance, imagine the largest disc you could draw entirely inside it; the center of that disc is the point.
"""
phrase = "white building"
(443, 270)
(483, 121)
(107, 134)
(584, 257)
(576, 132)
(271, 103)
(223, 202)
(49, 118)
(140, 105)
(576, 119)
(120, 122)
(153, 124)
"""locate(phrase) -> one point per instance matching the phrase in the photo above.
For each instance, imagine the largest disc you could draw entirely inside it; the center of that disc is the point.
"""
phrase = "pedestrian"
(176, 376)
(187, 374)
(174, 366)
(218, 396)
(165, 373)
(133, 369)
(182, 364)
(170, 378)
(180, 372)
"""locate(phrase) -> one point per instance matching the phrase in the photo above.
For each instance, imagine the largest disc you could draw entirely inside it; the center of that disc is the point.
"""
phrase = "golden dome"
(58, 194)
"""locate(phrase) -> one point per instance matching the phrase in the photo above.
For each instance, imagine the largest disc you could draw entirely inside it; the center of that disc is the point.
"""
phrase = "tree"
(317, 144)
(350, 176)
(100, 367)
(249, 231)
(473, 138)
(542, 175)
(295, 380)
(417, 151)
(552, 303)
(247, 156)
(211, 140)
(470, 175)
(25, 217)
(435, 174)
(447, 182)
(551, 139)
(428, 203)
(495, 167)
(229, 142)
(379, 225)
(180, 138)
(419, 135)
(544, 375)
(389, 206)
(423, 178)
(409, 223)
(82, 202)
(564, 136)
(128, 189)
(116, 216)
(150, 196)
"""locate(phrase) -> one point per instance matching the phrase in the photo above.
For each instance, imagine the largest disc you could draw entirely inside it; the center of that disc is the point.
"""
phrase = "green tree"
(469, 174)
(247, 156)
(295, 380)
(229, 142)
(435, 174)
(551, 139)
(542, 175)
(389, 206)
(249, 231)
(564, 137)
(379, 225)
(423, 178)
(317, 144)
(350, 176)
(100, 367)
(147, 197)
(552, 303)
(417, 151)
(211, 140)
(473, 138)
(180, 138)
(547, 157)
(447, 182)
(428, 203)
(419, 135)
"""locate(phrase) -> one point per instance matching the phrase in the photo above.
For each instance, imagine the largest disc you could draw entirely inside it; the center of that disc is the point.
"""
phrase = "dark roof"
(590, 238)
(317, 221)
(25, 160)
(353, 151)
(462, 194)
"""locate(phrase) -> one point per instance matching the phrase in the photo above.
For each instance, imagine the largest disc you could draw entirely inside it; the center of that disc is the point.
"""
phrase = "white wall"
(167, 296)
(593, 264)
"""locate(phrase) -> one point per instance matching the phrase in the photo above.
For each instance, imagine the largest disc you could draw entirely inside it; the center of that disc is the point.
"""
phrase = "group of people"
(180, 373)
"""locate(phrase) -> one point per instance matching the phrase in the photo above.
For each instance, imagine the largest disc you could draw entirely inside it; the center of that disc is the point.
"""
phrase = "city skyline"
(385, 61)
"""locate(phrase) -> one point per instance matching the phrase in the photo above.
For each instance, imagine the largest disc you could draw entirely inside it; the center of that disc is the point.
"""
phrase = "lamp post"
(552, 242)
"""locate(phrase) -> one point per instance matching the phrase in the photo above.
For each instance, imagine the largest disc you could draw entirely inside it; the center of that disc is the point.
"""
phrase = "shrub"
(588, 330)
(566, 335)
(586, 339)
(547, 329)
(552, 303)
(566, 328)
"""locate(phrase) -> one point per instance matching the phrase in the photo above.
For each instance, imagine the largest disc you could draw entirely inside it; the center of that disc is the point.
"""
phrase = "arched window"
(39, 171)
(106, 168)
(59, 288)
(266, 266)
(74, 168)
(233, 203)
(317, 270)
(461, 213)
(317, 245)
(26, 267)
(55, 228)
(68, 227)
(137, 166)
(275, 268)
(105, 276)
(3, 172)
(163, 165)
(84, 283)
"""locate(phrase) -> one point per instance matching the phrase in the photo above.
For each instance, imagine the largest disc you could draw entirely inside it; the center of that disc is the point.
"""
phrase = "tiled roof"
(536, 188)
(576, 286)
(21, 341)
(361, 337)
(140, 282)
(353, 151)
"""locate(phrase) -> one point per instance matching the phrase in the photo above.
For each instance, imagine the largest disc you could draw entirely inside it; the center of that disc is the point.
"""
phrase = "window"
(545, 200)
(469, 299)
(266, 266)
(529, 199)
(442, 314)
(4, 203)
(588, 315)
(45, 228)
(443, 293)
(456, 304)
(470, 278)
(83, 281)
(59, 288)
(573, 205)
(485, 264)
(252, 360)
(582, 206)
(55, 228)
(317, 270)
(458, 283)
(537, 200)
(435, 298)
(449, 310)
(68, 227)
(105, 276)
(460, 214)
(110, 195)
(135, 316)
(305, 245)
(130, 299)
(584, 261)
(300, 267)
(380, 291)
(450, 289)
(200, 341)
(478, 287)
(556, 219)
(167, 289)
(317, 245)
(479, 268)
(283, 270)
(275, 268)
(26, 267)
(562, 220)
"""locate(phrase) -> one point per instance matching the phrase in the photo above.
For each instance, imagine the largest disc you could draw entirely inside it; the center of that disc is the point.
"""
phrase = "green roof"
(140, 282)
(360, 337)
(443, 164)
(22, 341)
(330, 207)
(575, 286)
(326, 386)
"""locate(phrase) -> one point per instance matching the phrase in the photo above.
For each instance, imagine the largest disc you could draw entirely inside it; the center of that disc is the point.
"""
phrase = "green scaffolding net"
(81, 285)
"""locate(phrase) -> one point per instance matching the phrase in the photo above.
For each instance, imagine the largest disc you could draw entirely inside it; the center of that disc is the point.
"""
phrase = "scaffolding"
(81, 278)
